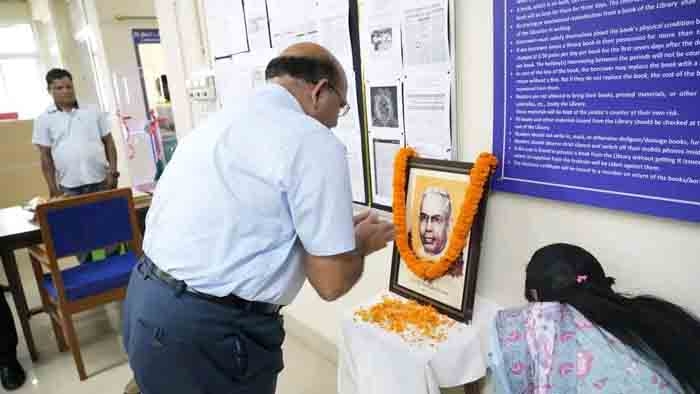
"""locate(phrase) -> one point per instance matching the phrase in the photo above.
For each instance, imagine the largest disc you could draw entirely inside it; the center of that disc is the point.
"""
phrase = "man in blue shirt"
(253, 203)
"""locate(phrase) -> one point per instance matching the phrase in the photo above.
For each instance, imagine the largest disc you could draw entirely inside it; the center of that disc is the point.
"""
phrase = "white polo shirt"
(75, 139)
(243, 193)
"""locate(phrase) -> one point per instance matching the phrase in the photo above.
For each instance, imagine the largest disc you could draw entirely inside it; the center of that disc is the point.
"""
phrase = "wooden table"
(18, 232)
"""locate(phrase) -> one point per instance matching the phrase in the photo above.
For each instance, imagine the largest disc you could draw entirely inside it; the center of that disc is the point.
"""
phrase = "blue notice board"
(598, 102)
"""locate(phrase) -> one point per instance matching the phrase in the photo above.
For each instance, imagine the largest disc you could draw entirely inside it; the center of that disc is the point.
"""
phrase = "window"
(22, 88)
(17, 40)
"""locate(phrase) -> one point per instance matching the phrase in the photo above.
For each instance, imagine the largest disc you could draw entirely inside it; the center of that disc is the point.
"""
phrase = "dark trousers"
(84, 189)
(179, 343)
(8, 334)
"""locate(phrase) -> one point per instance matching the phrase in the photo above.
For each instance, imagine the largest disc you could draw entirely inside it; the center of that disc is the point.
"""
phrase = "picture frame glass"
(434, 199)
(435, 193)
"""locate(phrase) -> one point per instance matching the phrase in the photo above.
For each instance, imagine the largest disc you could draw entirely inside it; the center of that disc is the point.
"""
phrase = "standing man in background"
(77, 150)
(78, 154)
(202, 307)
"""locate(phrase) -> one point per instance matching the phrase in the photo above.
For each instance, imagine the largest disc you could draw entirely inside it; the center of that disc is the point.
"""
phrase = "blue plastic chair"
(79, 225)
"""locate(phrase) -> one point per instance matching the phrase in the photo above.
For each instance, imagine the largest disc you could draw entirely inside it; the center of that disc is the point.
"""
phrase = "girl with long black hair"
(578, 335)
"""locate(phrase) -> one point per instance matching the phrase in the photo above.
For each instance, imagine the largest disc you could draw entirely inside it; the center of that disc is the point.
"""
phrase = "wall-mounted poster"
(600, 106)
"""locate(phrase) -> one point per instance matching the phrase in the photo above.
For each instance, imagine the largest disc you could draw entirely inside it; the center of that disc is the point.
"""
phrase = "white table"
(374, 361)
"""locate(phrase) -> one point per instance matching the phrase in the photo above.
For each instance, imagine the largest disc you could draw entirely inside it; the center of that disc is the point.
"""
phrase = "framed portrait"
(434, 196)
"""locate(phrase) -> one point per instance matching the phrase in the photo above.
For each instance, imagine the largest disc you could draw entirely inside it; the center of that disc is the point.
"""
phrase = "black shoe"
(12, 376)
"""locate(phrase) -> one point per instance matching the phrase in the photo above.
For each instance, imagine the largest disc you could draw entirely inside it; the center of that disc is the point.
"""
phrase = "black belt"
(232, 300)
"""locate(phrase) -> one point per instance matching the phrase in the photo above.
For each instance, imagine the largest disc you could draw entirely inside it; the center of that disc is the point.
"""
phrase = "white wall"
(646, 254)
(69, 51)
(58, 47)
(114, 54)
(13, 12)
(117, 47)
(184, 42)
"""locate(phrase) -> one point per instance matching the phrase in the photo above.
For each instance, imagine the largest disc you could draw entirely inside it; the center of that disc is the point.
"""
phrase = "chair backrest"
(85, 223)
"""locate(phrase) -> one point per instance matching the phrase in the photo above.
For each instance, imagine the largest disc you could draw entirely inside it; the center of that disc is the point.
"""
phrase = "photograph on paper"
(380, 35)
(384, 103)
(382, 40)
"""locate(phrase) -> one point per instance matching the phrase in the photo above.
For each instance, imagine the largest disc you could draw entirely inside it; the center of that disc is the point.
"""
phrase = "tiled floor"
(305, 373)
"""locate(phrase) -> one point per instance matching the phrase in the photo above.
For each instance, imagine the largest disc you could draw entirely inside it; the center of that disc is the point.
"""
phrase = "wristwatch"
(113, 173)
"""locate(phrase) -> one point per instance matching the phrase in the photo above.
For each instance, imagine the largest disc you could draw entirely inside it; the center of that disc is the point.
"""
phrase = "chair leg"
(57, 330)
(69, 329)
(47, 305)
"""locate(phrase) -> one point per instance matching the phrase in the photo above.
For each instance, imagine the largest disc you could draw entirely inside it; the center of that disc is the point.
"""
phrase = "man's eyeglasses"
(345, 107)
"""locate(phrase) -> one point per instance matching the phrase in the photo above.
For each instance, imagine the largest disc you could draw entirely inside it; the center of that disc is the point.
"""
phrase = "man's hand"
(360, 217)
(372, 233)
(49, 171)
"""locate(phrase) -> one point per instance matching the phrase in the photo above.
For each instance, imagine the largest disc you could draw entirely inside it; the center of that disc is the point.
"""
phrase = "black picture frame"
(473, 249)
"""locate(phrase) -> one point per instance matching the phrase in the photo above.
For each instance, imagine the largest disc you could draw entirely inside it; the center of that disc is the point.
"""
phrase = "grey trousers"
(179, 343)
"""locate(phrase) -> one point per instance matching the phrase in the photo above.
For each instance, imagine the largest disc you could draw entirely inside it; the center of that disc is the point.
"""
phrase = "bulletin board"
(375, 128)
(605, 114)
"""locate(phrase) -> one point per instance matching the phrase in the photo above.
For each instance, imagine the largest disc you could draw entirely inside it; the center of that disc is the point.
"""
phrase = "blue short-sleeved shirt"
(244, 193)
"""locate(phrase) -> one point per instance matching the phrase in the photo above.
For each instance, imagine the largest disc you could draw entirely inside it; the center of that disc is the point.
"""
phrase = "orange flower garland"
(428, 269)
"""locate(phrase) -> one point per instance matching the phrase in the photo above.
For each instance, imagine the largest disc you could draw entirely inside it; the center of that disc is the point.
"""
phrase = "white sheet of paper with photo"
(292, 21)
(334, 28)
(383, 153)
(352, 139)
(257, 24)
(384, 108)
(424, 25)
(380, 37)
(226, 24)
(427, 113)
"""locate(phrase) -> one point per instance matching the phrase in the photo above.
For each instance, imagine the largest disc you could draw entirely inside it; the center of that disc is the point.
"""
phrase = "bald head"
(315, 77)
(314, 51)
(309, 49)
(309, 62)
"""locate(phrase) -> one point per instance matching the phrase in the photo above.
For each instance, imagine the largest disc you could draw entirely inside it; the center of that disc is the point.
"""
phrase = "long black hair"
(653, 327)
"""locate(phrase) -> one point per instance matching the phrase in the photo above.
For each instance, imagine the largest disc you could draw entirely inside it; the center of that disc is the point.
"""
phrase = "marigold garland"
(429, 269)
